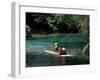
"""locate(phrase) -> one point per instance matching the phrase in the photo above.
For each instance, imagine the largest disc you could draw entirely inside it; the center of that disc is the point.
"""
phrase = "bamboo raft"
(57, 53)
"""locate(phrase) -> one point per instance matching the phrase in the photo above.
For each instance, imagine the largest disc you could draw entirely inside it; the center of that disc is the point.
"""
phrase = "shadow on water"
(49, 60)
(35, 55)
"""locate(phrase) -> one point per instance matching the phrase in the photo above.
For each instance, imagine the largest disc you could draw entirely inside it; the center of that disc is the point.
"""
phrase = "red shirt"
(62, 51)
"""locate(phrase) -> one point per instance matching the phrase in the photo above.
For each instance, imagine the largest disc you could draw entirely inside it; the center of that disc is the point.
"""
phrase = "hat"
(55, 43)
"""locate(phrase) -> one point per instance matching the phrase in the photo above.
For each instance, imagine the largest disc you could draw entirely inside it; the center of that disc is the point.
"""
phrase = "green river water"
(74, 44)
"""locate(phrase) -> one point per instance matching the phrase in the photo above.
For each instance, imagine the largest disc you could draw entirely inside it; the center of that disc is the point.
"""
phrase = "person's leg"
(57, 49)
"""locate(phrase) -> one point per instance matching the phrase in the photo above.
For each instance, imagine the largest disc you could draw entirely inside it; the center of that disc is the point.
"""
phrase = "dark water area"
(74, 44)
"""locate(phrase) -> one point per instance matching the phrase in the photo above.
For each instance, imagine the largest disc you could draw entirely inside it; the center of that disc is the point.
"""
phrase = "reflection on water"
(35, 55)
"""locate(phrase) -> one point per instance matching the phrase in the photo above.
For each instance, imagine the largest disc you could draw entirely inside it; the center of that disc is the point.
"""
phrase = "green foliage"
(28, 31)
(86, 50)
(62, 23)
(84, 24)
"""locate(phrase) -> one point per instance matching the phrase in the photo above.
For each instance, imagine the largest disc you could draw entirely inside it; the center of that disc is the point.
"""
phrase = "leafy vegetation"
(43, 23)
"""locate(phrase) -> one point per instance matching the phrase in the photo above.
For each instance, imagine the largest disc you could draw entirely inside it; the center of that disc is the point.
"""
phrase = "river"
(74, 44)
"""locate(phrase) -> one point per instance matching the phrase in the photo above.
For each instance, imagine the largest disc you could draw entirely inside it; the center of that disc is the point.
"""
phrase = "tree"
(62, 23)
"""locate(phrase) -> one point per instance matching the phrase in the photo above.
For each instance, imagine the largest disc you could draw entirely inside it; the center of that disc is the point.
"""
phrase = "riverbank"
(52, 34)
(45, 35)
